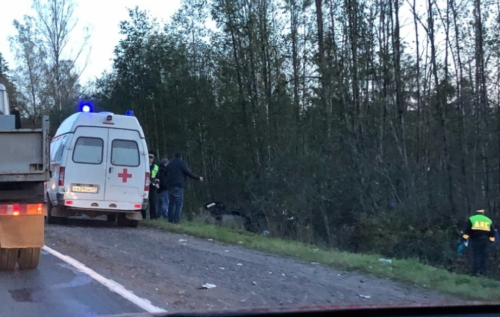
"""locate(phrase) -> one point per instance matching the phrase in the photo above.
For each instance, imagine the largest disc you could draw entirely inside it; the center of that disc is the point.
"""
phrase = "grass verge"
(408, 271)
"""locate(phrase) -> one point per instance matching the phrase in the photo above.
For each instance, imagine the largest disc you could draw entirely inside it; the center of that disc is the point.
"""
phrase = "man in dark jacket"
(480, 231)
(162, 190)
(177, 171)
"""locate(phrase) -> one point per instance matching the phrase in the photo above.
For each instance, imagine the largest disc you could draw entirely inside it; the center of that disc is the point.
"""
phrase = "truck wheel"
(29, 258)
(133, 223)
(8, 258)
(111, 218)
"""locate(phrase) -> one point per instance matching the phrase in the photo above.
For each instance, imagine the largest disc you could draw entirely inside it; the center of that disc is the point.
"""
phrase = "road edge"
(110, 284)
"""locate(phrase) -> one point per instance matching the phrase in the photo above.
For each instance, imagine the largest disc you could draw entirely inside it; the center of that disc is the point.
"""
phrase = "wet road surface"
(57, 289)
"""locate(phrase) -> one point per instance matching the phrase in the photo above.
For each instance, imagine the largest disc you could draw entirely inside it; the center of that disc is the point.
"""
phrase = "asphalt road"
(57, 289)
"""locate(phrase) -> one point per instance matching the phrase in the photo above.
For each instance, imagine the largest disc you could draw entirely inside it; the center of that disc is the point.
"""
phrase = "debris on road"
(364, 296)
(207, 286)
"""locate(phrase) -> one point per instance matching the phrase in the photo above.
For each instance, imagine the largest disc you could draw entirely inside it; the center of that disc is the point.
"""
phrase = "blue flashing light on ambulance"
(86, 108)
(100, 166)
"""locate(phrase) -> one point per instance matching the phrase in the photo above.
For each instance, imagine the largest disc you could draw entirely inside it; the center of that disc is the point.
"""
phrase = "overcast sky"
(102, 16)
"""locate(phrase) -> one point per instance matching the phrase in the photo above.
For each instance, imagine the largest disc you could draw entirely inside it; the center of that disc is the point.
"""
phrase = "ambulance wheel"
(8, 259)
(29, 258)
(51, 220)
(124, 222)
(111, 218)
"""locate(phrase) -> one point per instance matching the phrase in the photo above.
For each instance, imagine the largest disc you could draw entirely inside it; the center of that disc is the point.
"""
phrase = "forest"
(369, 126)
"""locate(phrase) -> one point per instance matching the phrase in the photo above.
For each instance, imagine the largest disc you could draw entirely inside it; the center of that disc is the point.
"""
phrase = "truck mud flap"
(22, 232)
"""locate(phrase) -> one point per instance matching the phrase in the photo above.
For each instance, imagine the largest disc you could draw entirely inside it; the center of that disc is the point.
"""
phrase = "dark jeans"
(163, 204)
(176, 197)
(153, 203)
(480, 254)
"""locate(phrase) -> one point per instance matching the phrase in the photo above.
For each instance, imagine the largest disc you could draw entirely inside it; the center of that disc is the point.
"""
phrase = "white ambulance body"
(99, 165)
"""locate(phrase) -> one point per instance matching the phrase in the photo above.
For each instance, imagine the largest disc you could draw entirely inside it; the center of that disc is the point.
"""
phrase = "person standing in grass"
(177, 171)
(162, 190)
(480, 232)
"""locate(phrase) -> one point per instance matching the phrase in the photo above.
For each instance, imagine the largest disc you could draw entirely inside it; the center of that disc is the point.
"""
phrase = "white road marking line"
(112, 285)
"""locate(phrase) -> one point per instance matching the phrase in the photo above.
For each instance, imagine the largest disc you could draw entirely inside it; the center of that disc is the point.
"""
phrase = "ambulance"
(99, 166)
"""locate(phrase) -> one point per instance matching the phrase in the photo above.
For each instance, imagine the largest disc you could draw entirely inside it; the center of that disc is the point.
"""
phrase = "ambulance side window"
(125, 153)
(58, 154)
(88, 150)
(57, 149)
(54, 148)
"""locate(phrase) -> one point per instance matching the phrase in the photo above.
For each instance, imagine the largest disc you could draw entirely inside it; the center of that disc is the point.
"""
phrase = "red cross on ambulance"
(124, 175)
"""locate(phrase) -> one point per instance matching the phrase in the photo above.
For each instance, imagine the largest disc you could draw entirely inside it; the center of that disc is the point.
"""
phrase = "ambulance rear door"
(127, 167)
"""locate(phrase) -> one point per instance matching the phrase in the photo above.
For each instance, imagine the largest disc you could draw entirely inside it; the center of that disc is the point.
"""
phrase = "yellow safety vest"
(154, 171)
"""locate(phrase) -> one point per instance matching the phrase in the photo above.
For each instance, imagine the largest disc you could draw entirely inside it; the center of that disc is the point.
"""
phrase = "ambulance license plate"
(84, 189)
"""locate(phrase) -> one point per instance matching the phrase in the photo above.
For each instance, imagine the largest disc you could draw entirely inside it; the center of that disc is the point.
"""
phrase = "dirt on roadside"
(169, 269)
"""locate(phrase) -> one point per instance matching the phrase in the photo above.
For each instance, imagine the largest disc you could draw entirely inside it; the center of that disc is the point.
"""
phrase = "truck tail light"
(146, 182)
(61, 176)
(16, 210)
(22, 209)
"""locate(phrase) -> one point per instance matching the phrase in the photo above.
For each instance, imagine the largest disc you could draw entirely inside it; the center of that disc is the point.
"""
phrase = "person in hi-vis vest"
(153, 189)
(480, 232)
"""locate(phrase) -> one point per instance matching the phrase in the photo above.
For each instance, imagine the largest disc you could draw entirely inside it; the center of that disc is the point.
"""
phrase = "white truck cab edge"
(99, 164)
